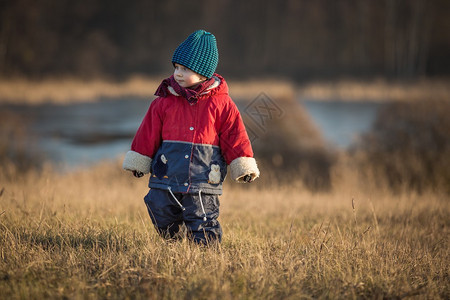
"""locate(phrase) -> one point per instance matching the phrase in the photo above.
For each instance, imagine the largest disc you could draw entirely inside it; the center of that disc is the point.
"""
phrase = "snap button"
(191, 128)
(186, 156)
(185, 184)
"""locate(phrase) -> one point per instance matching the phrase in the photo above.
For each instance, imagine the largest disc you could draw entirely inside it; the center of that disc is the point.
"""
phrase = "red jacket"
(184, 145)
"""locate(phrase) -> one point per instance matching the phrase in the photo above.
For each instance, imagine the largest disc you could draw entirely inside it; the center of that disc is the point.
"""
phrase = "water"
(80, 134)
(340, 122)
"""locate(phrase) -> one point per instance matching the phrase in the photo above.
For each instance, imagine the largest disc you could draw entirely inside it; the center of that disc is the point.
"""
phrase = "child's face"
(186, 77)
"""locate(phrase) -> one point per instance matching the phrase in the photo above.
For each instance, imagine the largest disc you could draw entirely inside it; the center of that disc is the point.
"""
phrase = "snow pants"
(198, 212)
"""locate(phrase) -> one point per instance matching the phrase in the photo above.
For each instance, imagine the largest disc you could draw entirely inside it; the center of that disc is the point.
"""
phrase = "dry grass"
(409, 146)
(66, 90)
(87, 235)
(377, 90)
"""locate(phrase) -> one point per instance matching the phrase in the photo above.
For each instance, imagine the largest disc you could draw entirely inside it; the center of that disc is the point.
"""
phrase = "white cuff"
(135, 161)
(242, 166)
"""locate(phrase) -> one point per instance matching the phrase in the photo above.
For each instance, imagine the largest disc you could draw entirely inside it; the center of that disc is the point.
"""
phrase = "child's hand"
(138, 174)
(247, 178)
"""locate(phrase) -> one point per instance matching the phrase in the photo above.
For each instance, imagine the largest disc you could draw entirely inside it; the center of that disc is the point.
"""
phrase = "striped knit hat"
(198, 53)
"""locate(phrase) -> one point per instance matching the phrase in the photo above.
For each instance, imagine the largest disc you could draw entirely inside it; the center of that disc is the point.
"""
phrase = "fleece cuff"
(137, 162)
(242, 166)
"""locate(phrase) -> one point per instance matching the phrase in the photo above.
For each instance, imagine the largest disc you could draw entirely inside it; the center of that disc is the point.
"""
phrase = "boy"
(189, 135)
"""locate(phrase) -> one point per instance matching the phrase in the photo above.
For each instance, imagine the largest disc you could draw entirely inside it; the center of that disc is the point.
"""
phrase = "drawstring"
(201, 203)
(182, 207)
(170, 191)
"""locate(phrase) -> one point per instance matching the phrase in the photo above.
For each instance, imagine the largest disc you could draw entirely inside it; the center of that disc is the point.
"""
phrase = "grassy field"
(376, 227)
(87, 235)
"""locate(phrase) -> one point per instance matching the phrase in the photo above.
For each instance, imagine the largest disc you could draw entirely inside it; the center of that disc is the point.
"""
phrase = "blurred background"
(361, 87)
(297, 39)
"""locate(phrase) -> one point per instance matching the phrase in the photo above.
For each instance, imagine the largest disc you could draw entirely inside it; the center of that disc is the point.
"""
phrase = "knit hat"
(198, 53)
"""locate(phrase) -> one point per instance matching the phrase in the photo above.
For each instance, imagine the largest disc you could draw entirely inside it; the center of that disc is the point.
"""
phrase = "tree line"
(298, 39)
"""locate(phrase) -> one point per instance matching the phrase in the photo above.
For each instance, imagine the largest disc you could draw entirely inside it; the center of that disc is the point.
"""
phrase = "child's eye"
(180, 68)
